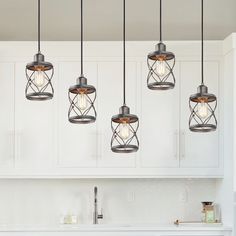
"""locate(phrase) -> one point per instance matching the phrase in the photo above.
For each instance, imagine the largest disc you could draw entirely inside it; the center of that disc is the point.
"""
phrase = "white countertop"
(113, 227)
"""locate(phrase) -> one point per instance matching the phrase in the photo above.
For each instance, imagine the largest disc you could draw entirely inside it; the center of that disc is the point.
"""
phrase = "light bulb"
(39, 78)
(82, 101)
(161, 68)
(124, 131)
(202, 110)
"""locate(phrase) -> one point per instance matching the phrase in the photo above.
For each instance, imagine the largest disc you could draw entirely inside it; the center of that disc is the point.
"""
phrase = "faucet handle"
(100, 216)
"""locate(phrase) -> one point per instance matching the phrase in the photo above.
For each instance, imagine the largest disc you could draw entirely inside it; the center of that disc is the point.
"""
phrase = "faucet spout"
(96, 215)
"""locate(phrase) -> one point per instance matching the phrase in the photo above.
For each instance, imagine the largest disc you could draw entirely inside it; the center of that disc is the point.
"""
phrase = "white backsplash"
(124, 201)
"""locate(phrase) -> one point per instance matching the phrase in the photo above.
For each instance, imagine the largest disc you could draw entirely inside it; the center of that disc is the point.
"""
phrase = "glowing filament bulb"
(124, 131)
(202, 110)
(161, 68)
(39, 78)
(82, 101)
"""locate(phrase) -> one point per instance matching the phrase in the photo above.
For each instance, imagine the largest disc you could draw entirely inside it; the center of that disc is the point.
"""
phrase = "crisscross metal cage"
(124, 128)
(39, 75)
(202, 106)
(82, 98)
(160, 65)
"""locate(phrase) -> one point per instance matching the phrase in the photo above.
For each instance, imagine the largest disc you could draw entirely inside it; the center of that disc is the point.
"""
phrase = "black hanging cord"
(202, 40)
(124, 51)
(81, 35)
(160, 20)
(38, 26)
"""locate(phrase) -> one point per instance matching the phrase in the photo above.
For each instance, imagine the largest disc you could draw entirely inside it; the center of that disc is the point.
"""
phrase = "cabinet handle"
(176, 144)
(100, 141)
(182, 144)
(12, 143)
(93, 137)
(18, 145)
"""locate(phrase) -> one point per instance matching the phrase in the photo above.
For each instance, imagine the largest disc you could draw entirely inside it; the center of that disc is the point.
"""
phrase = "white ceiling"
(103, 19)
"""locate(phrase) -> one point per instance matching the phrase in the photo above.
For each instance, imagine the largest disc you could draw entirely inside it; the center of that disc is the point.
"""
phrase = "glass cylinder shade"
(39, 75)
(82, 98)
(124, 128)
(202, 106)
(160, 66)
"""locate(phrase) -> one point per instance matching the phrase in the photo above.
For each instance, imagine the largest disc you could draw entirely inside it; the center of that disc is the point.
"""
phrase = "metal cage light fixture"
(124, 125)
(82, 96)
(39, 74)
(160, 65)
(202, 104)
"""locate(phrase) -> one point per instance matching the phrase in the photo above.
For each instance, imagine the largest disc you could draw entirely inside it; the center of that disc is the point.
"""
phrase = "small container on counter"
(69, 219)
(210, 213)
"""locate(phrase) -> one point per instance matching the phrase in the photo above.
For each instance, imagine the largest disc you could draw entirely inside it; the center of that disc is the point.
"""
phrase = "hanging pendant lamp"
(39, 74)
(124, 125)
(202, 104)
(160, 65)
(82, 96)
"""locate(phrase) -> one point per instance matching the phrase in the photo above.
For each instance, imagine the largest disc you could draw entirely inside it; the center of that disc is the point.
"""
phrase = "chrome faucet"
(96, 216)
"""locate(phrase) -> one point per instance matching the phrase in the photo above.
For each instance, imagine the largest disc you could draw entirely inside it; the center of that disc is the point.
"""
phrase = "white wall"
(41, 202)
(230, 128)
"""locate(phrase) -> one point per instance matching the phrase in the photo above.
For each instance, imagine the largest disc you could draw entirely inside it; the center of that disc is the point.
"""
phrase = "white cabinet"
(76, 143)
(197, 150)
(110, 99)
(159, 124)
(7, 115)
(34, 127)
(38, 140)
(166, 140)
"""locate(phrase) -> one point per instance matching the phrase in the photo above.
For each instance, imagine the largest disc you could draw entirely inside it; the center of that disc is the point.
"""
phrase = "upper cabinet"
(7, 115)
(76, 143)
(38, 140)
(198, 150)
(159, 124)
(34, 127)
(110, 99)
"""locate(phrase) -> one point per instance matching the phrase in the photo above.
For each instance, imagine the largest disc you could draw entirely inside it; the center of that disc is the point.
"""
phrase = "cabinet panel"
(76, 143)
(34, 122)
(197, 149)
(159, 124)
(110, 99)
(7, 117)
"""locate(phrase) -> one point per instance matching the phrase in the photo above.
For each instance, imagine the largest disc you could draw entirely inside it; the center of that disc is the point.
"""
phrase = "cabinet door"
(7, 117)
(34, 122)
(76, 143)
(197, 149)
(159, 124)
(110, 99)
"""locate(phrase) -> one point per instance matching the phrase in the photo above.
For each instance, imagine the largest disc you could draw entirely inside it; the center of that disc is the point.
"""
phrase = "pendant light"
(82, 96)
(160, 65)
(39, 74)
(202, 104)
(124, 125)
